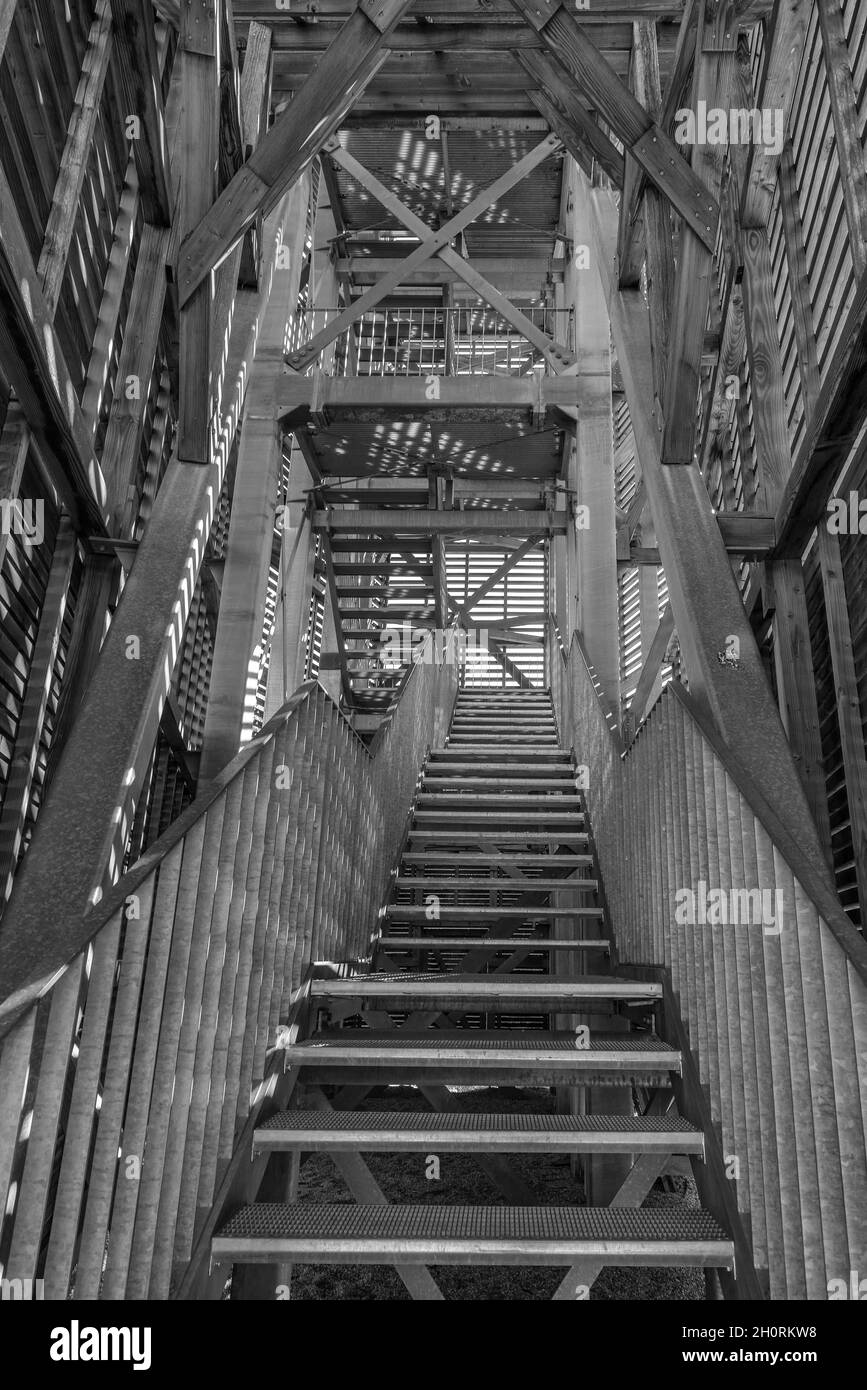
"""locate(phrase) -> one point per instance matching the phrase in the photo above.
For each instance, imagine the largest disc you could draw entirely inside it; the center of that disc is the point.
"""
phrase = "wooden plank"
(654, 150)
(296, 136)
(73, 165)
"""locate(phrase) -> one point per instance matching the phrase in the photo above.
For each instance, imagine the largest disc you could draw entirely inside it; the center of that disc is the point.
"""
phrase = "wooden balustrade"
(126, 1086)
(775, 1003)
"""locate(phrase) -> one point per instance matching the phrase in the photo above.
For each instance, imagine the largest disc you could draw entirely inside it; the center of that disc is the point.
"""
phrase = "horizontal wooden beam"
(302, 399)
(408, 521)
(743, 533)
(504, 271)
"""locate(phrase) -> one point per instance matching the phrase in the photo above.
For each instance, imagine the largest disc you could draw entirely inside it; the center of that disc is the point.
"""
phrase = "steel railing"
(418, 341)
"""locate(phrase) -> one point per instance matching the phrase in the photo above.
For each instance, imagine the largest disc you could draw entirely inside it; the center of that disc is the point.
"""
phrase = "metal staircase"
(491, 968)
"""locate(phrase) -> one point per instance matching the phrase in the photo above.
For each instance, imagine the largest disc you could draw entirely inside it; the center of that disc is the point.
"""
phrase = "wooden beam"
(410, 521)
(135, 369)
(434, 242)
(520, 677)
(254, 103)
(200, 55)
(550, 82)
(136, 49)
(785, 37)
(76, 154)
(343, 656)
(650, 669)
(715, 52)
(112, 299)
(497, 575)
(645, 83)
(293, 140)
(524, 398)
(654, 150)
(657, 219)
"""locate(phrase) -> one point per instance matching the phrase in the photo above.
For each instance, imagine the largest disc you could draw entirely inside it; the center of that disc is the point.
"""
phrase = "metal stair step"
(485, 751)
(471, 1056)
(489, 943)
(469, 993)
(501, 837)
(517, 885)
(495, 771)
(460, 911)
(419, 1131)
(443, 784)
(456, 815)
(463, 858)
(309, 1232)
(557, 800)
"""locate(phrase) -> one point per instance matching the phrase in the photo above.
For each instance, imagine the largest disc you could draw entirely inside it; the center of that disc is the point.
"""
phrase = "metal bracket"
(199, 27)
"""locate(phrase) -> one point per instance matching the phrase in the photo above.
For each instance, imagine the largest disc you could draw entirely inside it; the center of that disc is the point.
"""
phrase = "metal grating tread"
(478, 1040)
(530, 982)
(426, 1222)
(473, 1121)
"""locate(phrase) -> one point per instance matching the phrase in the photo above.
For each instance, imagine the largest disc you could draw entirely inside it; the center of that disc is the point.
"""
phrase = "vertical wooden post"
(200, 55)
